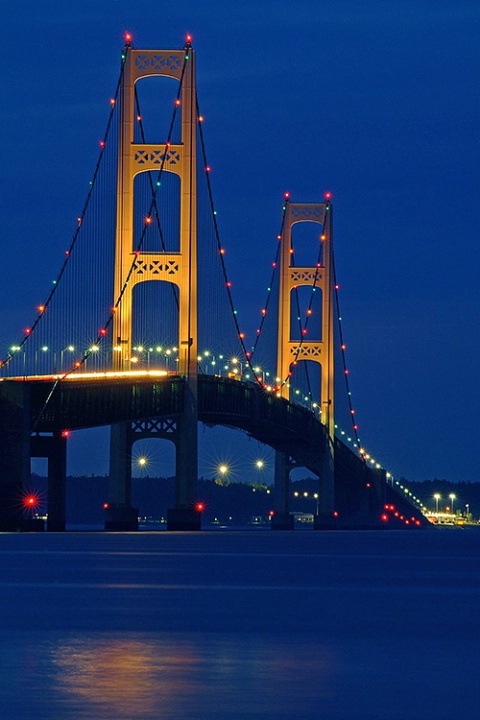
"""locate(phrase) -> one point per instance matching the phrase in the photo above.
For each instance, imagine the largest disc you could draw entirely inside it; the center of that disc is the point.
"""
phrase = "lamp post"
(436, 498)
(16, 349)
(452, 498)
(237, 367)
(223, 472)
(71, 349)
(142, 463)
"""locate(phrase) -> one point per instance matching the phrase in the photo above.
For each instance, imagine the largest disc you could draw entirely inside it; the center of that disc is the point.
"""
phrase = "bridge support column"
(326, 518)
(11, 480)
(57, 476)
(184, 516)
(54, 448)
(281, 519)
(15, 418)
(120, 515)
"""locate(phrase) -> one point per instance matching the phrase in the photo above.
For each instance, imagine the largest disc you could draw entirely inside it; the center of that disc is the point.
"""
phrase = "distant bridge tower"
(289, 351)
(180, 268)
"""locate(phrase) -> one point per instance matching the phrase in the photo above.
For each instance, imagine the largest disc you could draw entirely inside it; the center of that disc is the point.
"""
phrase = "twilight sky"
(376, 101)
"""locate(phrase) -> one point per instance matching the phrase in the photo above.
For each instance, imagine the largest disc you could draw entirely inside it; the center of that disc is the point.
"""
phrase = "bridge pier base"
(282, 521)
(183, 520)
(121, 518)
(54, 448)
(119, 514)
(325, 522)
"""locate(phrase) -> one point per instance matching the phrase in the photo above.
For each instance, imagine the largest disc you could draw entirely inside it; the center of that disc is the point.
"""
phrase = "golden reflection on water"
(175, 676)
(124, 676)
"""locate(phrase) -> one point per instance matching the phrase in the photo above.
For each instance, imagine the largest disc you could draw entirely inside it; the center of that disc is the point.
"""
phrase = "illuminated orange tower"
(180, 267)
(290, 352)
(136, 266)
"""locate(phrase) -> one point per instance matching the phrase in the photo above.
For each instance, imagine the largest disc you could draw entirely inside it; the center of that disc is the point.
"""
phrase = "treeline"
(466, 494)
(229, 503)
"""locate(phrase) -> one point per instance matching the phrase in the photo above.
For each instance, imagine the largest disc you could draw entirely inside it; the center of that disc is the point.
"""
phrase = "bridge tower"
(136, 266)
(290, 352)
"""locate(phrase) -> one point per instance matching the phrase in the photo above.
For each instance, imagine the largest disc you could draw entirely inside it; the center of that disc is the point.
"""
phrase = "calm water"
(240, 625)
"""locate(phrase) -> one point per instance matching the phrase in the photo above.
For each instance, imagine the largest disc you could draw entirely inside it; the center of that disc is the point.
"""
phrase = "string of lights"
(29, 331)
(102, 333)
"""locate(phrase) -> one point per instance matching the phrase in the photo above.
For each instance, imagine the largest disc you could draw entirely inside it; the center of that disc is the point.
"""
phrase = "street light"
(223, 472)
(436, 498)
(70, 348)
(452, 498)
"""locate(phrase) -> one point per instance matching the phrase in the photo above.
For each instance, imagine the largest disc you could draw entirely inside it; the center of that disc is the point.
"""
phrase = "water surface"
(238, 625)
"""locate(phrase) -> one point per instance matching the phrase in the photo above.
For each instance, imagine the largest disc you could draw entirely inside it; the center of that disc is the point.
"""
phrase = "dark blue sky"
(375, 101)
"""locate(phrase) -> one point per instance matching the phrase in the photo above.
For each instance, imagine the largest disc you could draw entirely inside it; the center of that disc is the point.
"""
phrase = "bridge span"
(38, 413)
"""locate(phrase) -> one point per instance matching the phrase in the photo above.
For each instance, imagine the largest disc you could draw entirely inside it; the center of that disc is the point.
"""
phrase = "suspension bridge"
(143, 290)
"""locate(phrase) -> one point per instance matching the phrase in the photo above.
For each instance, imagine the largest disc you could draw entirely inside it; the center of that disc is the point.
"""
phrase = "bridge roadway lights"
(184, 519)
(121, 519)
(282, 521)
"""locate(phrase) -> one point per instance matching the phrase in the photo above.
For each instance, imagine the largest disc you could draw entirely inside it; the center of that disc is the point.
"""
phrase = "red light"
(367, 485)
(188, 38)
(384, 517)
(271, 513)
(128, 38)
(286, 195)
(148, 220)
(328, 196)
(335, 513)
(103, 331)
(65, 433)
(200, 507)
(105, 506)
(30, 501)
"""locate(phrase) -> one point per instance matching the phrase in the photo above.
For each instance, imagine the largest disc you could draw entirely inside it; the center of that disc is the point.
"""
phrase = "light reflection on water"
(191, 677)
(327, 626)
